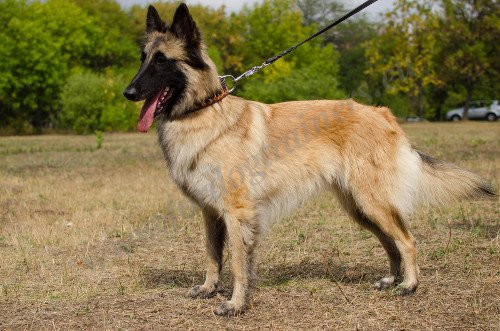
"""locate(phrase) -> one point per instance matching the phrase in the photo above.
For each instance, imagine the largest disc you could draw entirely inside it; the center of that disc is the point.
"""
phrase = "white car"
(478, 110)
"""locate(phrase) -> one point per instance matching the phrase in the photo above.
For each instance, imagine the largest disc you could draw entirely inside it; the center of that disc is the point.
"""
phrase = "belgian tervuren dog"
(246, 163)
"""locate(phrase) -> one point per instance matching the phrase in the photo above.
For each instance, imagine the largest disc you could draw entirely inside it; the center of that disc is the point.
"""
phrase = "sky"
(233, 5)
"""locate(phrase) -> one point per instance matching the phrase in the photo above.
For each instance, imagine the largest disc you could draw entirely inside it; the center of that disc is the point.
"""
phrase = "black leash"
(275, 58)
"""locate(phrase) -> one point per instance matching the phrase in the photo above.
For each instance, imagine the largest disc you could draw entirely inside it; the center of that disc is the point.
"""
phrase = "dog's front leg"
(241, 240)
(215, 229)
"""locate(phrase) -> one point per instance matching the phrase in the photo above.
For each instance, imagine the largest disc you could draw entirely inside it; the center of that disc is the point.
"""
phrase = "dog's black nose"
(131, 93)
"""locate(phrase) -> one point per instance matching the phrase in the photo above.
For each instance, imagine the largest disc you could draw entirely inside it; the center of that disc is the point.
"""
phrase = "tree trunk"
(37, 121)
(439, 110)
(420, 100)
(470, 92)
(439, 98)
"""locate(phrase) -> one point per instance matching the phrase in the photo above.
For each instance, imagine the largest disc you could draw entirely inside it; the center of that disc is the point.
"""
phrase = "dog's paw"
(385, 283)
(201, 292)
(228, 309)
(404, 289)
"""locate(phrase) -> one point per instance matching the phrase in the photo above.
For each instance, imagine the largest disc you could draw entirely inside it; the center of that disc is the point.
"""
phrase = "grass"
(94, 235)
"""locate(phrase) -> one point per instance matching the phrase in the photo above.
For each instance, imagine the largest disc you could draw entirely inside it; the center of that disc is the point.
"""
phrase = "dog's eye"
(161, 59)
(143, 56)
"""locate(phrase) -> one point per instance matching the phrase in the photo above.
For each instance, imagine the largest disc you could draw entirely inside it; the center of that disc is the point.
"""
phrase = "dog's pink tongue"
(148, 113)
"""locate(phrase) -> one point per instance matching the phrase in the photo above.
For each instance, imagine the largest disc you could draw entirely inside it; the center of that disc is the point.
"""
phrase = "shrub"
(94, 102)
(119, 114)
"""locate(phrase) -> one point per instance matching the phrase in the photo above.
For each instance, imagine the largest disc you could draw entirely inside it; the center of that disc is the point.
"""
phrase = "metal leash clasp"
(224, 80)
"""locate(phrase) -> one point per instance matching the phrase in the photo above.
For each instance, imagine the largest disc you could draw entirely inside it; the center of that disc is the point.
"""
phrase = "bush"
(289, 80)
(119, 114)
(93, 102)
(311, 72)
(301, 84)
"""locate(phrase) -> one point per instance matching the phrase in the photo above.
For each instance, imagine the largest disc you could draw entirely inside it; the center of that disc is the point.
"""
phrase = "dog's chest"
(183, 154)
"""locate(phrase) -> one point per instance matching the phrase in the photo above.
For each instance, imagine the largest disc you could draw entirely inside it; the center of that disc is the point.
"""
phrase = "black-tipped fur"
(154, 22)
(184, 27)
(480, 188)
(487, 191)
(432, 162)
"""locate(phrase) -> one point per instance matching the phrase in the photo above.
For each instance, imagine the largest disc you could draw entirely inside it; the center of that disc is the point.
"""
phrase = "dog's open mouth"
(153, 107)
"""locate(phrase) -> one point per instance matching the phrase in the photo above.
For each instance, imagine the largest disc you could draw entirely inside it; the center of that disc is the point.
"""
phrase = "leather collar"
(217, 97)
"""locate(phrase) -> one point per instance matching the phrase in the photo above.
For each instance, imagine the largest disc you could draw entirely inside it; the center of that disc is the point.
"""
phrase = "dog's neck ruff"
(216, 98)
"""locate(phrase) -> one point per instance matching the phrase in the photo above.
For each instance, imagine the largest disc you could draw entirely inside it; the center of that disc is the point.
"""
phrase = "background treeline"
(64, 63)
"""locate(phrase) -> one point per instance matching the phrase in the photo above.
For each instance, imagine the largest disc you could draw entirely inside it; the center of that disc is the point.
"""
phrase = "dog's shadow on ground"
(284, 273)
(275, 275)
(170, 278)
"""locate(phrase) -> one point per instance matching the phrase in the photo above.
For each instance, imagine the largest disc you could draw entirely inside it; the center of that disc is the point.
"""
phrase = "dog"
(247, 164)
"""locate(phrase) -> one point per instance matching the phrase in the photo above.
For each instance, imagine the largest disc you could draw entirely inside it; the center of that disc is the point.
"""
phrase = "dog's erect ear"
(184, 26)
(154, 22)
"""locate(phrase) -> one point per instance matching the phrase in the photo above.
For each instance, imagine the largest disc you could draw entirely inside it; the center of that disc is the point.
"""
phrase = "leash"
(275, 58)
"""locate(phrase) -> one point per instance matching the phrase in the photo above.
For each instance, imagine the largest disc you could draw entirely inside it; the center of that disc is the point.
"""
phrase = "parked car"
(478, 110)
(413, 119)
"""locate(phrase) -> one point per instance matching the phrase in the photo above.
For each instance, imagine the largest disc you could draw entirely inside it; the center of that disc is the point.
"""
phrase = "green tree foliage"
(40, 42)
(402, 56)
(65, 62)
(286, 81)
(349, 39)
(93, 102)
(311, 72)
(321, 12)
(116, 45)
(83, 102)
(470, 52)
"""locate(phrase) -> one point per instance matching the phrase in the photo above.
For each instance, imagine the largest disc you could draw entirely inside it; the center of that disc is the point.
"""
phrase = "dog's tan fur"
(246, 164)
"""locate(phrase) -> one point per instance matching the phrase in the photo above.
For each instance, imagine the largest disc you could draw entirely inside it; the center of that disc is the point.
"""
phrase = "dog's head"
(176, 71)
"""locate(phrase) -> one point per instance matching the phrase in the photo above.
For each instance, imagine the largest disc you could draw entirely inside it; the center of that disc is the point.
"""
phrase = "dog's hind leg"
(388, 226)
(390, 247)
(215, 229)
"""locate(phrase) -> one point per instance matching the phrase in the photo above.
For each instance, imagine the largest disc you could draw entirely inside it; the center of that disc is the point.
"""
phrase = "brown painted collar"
(217, 97)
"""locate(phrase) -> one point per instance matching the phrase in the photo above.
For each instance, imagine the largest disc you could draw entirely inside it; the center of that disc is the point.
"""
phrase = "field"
(102, 239)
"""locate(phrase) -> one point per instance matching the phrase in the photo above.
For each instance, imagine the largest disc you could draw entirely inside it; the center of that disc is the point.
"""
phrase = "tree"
(311, 72)
(40, 43)
(470, 30)
(320, 12)
(403, 54)
(116, 45)
(348, 38)
(43, 42)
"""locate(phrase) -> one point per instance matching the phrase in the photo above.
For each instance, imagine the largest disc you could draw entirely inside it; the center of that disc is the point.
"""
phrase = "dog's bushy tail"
(444, 182)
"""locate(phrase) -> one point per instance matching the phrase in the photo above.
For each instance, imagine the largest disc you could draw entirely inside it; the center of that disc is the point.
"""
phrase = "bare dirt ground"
(102, 239)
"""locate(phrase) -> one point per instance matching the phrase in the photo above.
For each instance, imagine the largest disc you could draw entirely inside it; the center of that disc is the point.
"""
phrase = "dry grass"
(102, 239)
